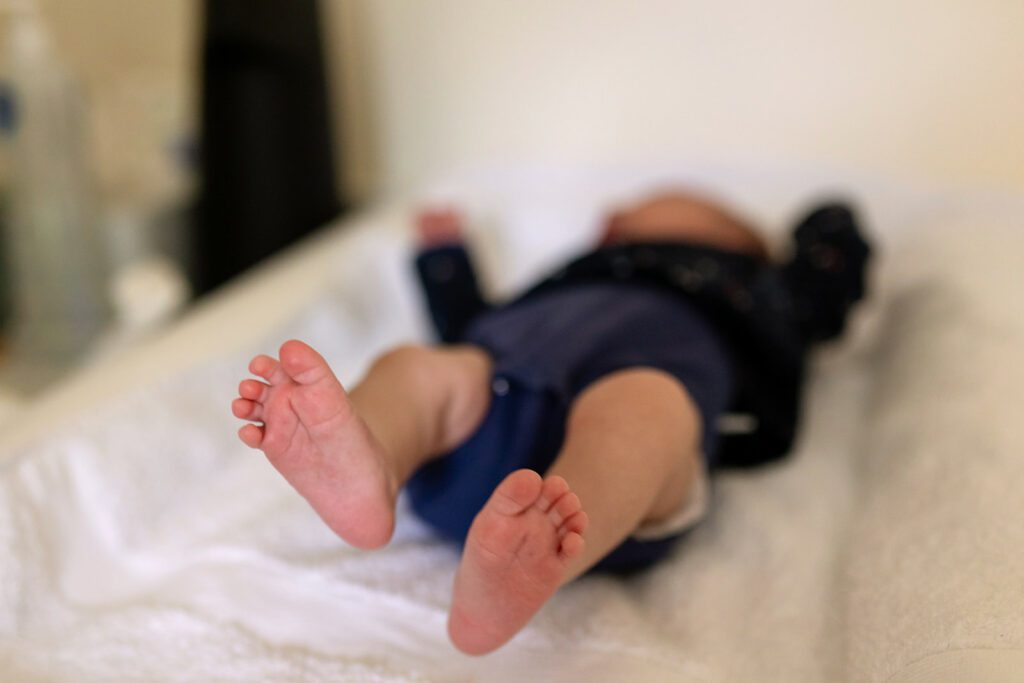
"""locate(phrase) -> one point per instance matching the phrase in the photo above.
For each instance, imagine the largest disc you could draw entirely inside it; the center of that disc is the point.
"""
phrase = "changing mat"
(139, 541)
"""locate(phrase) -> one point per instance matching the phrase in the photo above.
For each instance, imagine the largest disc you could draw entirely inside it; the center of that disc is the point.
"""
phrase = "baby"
(574, 428)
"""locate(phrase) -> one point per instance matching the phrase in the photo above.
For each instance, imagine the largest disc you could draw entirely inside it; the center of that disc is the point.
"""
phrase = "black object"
(451, 290)
(826, 272)
(266, 161)
(769, 315)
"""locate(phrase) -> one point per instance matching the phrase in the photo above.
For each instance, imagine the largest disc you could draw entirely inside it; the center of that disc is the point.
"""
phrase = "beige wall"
(927, 88)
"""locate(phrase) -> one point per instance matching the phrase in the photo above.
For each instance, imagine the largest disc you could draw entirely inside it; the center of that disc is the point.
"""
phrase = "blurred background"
(152, 150)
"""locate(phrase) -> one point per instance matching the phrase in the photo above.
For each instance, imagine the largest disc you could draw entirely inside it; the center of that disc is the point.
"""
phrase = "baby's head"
(683, 217)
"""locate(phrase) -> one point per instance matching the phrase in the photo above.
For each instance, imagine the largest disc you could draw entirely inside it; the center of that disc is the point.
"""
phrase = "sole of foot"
(516, 556)
(302, 419)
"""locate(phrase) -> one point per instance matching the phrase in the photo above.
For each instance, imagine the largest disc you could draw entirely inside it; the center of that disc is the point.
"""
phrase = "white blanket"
(139, 541)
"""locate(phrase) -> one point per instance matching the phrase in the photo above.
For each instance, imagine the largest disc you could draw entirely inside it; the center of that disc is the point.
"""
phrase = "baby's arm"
(446, 274)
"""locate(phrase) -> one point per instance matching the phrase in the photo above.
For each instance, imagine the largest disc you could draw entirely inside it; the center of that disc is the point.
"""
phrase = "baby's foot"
(313, 436)
(515, 558)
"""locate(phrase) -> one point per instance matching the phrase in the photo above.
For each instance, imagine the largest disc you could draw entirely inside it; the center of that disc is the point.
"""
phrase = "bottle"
(54, 256)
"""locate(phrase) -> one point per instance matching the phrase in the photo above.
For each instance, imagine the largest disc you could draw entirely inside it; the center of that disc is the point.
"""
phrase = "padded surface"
(140, 542)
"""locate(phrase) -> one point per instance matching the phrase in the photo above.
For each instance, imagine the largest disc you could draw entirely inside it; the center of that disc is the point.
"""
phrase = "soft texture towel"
(935, 561)
(139, 541)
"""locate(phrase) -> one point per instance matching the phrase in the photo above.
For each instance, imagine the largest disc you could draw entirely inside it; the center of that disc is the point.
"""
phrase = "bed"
(139, 541)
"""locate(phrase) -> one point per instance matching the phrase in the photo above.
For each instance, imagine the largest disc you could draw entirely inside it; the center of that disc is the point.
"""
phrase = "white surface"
(977, 666)
(935, 560)
(140, 542)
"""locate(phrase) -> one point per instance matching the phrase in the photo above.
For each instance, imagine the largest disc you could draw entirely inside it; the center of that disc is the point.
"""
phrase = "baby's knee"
(640, 397)
(412, 362)
(405, 357)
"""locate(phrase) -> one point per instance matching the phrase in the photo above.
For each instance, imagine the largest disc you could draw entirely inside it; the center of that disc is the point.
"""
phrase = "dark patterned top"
(767, 314)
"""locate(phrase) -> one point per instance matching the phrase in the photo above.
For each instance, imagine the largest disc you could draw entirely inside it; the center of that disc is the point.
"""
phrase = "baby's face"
(678, 216)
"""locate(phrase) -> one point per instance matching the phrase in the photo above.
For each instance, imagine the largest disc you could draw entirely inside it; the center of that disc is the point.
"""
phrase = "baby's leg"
(630, 457)
(349, 454)
(645, 430)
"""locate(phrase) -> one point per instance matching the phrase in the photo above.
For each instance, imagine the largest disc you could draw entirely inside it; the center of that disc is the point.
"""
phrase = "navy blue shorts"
(546, 350)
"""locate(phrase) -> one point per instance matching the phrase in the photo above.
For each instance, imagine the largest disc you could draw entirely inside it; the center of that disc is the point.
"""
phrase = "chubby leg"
(630, 457)
(349, 453)
(644, 430)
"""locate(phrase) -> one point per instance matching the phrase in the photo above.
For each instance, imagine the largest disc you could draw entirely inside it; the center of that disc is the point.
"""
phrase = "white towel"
(142, 542)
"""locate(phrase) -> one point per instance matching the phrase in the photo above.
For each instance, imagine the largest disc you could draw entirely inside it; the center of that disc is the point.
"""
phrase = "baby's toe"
(245, 409)
(517, 492)
(564, 508)
(267, 368)
(253, 390)
(554, 488)
(302, 363)
(571, 546)
(251, 435)
(576, 523)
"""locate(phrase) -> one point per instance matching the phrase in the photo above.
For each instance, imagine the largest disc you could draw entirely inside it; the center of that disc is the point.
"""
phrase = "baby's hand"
(439, 226)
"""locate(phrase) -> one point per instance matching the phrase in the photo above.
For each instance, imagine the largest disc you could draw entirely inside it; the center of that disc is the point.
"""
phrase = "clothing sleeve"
(826, 274)
(451, 290)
